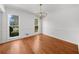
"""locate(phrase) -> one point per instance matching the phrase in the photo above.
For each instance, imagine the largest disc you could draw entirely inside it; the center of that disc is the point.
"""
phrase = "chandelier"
(41, 13)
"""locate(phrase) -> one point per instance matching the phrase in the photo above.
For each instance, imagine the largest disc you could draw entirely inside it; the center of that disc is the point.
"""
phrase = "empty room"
(39, 28)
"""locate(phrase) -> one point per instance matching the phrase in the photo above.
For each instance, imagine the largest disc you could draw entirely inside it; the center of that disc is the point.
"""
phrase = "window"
(36, 25)
(13, 25)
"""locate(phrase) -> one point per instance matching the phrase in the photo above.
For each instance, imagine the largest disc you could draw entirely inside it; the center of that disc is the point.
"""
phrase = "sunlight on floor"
(36, 45)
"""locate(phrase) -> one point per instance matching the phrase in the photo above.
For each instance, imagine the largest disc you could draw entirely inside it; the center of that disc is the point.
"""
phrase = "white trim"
(11, 39)
(2, 8)
(59, 38)
(8, 27)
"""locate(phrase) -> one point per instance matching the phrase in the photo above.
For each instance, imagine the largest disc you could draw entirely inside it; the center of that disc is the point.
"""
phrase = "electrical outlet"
(27, 34)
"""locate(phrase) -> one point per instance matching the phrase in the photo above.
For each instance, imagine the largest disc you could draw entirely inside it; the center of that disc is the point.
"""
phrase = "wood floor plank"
(38, 44)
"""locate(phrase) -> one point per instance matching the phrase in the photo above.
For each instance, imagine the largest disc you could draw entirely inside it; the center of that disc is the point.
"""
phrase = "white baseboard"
(60, 38)
(18, 37)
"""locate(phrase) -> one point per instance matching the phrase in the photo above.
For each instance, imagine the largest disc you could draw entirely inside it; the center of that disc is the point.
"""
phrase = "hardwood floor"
(39, 44)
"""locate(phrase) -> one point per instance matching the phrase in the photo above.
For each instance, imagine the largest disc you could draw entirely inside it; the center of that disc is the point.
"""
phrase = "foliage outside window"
(36, 25)
(13, 25)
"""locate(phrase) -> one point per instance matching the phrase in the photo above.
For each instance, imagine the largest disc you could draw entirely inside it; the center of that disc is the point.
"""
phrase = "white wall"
(0, 29)
(0, 26)
(26, 23)
(63, 23)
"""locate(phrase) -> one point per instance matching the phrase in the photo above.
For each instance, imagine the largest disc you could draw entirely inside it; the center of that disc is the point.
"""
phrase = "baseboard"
(60, 39)
(26, 36)
(13, 39)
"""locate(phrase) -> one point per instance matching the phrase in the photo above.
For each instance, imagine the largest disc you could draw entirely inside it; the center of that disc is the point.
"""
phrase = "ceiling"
(35, 8)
